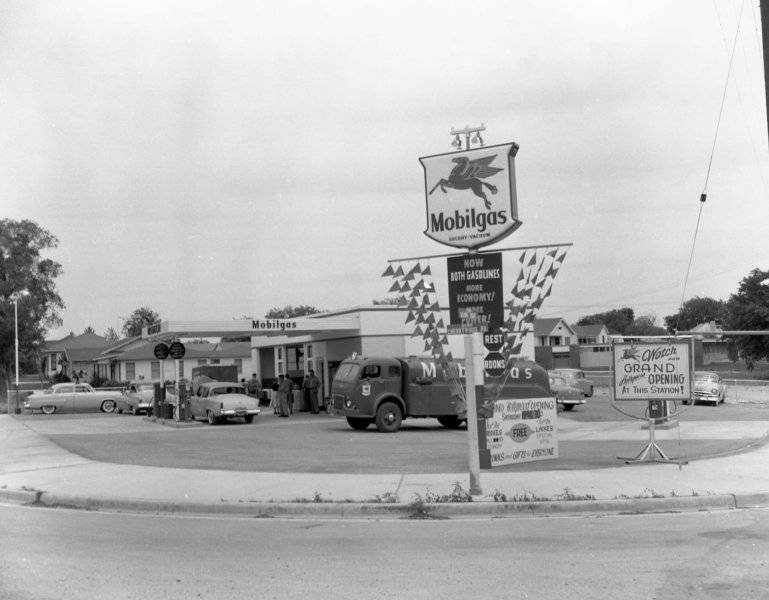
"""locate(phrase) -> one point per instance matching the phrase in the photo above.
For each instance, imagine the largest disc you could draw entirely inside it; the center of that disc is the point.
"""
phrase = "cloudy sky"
(216, 159)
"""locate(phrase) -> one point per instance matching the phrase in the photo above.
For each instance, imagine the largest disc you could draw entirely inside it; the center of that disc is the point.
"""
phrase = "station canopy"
(253, 327)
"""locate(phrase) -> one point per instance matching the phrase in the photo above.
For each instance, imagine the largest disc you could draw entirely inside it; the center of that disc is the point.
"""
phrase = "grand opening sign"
(648, 370)
(522, 430)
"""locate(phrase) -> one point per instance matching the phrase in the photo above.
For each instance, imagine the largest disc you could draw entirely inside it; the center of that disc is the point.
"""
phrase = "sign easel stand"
(652, 452)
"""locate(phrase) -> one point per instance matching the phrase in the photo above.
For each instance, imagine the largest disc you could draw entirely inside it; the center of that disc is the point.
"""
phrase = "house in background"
(135, 359)
(709, 349)
(555, 344)
(73, 353)
(594, 346)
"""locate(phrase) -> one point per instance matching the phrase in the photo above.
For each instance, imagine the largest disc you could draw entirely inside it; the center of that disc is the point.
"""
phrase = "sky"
(216, 159)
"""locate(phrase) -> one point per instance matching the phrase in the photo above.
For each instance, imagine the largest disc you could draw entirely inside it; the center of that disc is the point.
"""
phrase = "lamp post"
(15, 297)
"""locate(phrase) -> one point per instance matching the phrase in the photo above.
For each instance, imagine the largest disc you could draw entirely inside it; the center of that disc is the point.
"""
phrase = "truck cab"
(386, 390)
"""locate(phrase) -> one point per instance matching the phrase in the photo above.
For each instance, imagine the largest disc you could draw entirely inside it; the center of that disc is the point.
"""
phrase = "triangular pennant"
(413, 305)
(420, 317)
(532, 260)
(426, 270)
(431, 319)
(388, 271)
(435, 307)
(395, 287)
(440, 324)
(428, 347)
(405, 287)
(419, 285)
(399, 271)
(417, 332)
(409, 317)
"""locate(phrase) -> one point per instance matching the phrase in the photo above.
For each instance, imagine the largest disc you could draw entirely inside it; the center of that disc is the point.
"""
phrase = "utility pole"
(765, 44)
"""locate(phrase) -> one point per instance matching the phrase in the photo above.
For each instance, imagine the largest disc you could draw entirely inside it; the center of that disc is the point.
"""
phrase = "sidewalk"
(34, 469)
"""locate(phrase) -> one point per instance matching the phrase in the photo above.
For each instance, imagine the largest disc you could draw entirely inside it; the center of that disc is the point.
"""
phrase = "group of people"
(282, 399)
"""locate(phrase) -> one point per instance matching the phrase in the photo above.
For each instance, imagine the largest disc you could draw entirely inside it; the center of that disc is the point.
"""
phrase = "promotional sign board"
(646, 370)
(470, 196)
(522, 430)
(475, 292)
(161, 351)
(176, 350)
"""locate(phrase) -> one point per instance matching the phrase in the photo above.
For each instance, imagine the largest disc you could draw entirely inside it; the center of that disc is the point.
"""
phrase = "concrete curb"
(379, 510)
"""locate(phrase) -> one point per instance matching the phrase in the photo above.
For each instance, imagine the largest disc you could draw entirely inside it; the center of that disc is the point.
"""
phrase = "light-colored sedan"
(137, 398)
(216, 401)
(564, 393)
(72, 397)
(708, 387)
(576, 378)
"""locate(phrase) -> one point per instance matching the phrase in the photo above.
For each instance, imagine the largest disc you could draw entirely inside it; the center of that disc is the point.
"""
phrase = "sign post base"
(652, 452)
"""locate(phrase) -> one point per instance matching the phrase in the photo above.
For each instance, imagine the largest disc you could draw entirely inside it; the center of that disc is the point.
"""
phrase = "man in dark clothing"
(311, 384)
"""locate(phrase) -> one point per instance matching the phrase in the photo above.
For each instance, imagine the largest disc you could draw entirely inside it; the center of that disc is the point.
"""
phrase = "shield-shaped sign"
(470, 196)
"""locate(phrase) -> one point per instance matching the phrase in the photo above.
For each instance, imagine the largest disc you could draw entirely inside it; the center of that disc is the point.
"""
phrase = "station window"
(155, 369)
(130, 370)
(202, 361)
(215, 361)
(239, 364)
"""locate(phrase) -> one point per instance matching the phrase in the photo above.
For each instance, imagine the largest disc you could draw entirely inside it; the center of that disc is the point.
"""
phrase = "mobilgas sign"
(273, 324)
(471, 197)
(475, 290)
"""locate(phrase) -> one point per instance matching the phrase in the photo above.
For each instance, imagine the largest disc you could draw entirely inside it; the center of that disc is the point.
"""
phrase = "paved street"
(63, 555)
(590, 436)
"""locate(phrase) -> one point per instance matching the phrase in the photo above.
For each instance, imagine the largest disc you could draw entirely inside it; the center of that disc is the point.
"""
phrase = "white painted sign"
(652, 370)
(471, 196)
(522, 430)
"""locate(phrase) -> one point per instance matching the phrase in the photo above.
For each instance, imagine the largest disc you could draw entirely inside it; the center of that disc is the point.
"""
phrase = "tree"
(749, 310)
(289, 312)
(695, 311)
(89, 329)
(140, 318)
(645, 325)
(23, 269)
(617, 321)
(111, 335)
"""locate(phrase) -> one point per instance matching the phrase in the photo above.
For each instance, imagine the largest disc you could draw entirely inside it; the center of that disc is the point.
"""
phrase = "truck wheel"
(388, 417)
(568, 407)
(450, 421)
(358, 423)
(212, 419)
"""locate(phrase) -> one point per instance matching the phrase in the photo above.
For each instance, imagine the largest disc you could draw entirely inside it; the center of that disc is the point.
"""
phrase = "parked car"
(216, 401)
(564, 393)
(576, 378)
(707, 387)
(72, 397)
(137, 398)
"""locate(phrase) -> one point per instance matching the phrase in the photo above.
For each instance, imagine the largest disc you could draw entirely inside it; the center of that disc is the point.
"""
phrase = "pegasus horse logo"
(468, 175)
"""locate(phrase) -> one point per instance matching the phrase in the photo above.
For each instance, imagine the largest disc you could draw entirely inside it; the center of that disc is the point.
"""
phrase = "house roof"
(546, 326)
(192, 351)
(589, 330)
(76, 342)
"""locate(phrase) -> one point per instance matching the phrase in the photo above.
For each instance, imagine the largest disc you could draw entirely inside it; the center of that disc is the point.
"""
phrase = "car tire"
(450, 421)
(568, 407)
(48, 409)
(108, 406)
(358, 423)
(212, 419)
(248, 419)
(388, 417)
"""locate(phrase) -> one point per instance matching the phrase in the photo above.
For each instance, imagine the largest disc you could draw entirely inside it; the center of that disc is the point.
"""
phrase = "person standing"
(284, 393)
(254, 386)
(311, 384)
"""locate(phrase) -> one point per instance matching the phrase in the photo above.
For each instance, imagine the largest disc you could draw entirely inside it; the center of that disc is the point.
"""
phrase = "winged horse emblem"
(468, 174)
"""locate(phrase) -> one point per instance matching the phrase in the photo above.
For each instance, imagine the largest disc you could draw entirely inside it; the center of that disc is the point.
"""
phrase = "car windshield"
(712, 377)
(232, 389)
(557, 380)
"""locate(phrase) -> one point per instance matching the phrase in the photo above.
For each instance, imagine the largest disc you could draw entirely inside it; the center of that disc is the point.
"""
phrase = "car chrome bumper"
(238, 413)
